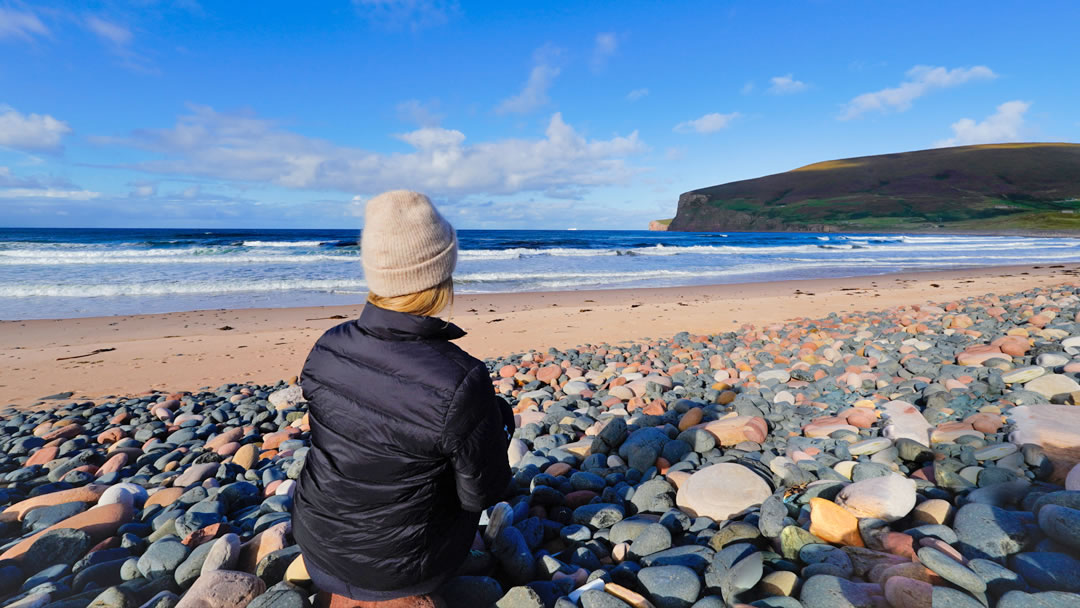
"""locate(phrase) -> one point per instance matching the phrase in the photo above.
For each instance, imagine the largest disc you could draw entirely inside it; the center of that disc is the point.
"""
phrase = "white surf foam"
(32, 290)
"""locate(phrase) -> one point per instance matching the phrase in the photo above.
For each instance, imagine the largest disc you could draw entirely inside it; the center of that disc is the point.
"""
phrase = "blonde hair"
(425, 303)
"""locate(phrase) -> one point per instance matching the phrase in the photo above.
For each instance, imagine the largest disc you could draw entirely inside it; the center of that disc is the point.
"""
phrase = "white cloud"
(534, 94)
(747, 88)
(39, 132)
(605, 46)
(786, 85)
(19, 24)
(709, 123)
(921, 80)
(422, 114)
(1005, 125)
(71, 195)
(112, 32)
(243, 147)
(414, 14)
(637, 94)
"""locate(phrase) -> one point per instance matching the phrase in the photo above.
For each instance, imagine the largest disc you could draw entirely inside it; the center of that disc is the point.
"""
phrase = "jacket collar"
(392, 325)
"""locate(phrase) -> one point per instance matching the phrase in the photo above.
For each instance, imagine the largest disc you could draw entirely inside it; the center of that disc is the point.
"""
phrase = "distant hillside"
(999, 188)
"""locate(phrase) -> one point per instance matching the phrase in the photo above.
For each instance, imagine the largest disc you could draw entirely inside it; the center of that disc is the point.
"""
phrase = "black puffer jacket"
(408, 445)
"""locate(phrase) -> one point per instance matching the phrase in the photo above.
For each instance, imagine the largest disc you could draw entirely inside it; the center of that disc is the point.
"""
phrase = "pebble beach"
(918, 454)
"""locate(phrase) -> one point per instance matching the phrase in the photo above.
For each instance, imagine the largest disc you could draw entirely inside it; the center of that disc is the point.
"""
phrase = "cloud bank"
(243, 147)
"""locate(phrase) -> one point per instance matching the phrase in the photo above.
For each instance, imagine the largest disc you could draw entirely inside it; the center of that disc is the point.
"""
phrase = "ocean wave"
(179, 287)
(284, 243)
(654, 250)
(169, 260)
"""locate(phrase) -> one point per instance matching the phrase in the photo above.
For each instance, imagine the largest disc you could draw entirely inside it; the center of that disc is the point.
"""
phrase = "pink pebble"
(228, 449)
(944, 547)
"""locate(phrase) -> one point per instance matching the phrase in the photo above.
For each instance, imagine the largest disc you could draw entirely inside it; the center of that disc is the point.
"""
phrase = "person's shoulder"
(453, 354)
(342, 330)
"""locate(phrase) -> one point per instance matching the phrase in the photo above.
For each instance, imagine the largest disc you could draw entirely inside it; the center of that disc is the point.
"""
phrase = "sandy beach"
(189, 350)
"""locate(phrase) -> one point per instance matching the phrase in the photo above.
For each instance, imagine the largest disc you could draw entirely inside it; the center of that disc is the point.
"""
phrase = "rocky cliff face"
(696, 215)
(659, 225)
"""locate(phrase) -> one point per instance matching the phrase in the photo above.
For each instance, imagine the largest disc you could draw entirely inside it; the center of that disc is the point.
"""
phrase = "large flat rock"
(1054, 427)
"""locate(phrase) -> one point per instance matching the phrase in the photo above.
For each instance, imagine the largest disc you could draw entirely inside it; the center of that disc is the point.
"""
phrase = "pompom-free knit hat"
(406, 245)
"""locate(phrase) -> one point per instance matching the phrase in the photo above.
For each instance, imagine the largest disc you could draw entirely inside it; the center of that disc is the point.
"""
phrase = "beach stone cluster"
(917, 456)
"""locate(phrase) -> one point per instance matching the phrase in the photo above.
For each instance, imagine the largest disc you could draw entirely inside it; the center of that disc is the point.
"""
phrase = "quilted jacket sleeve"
(475, 440)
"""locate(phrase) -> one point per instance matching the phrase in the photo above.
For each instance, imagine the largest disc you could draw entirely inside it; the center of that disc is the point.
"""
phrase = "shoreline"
(189, 350)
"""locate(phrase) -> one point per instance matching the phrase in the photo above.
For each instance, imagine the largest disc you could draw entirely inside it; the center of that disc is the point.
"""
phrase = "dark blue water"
(52, 273)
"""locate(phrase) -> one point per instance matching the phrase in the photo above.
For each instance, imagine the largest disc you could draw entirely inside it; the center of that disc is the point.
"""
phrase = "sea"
(63, 273)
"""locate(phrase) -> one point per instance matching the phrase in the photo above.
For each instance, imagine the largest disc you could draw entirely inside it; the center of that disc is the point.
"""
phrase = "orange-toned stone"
(975, 356)
(549, 373)
(726, 396)
(262, 544)
(272, 440)
(1015, 346)
(827, 425)
(734, 430)
(99, 522)
(950, 431)
(985, 422)
(229, 436)
(164, 497)
(633, 598)
(111, 436)
(1040, 320)
(43, 456)
(113, 464)
(691, 417)
(204, 535)
(90, 493)
(655, 408)
(64, 432)
(558, 469)
(832, 523)
(860, 417)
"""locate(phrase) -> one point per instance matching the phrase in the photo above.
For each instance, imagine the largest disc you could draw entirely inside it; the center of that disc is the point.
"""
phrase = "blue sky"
(509, 114)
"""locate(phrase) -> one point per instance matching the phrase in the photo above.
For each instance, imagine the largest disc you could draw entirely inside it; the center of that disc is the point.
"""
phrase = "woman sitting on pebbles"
(408, 440)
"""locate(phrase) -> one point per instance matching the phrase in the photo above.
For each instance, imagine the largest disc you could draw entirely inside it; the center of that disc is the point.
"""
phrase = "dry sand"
(189, 350)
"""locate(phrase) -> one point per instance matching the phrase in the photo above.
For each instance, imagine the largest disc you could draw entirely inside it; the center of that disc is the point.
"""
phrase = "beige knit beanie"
(406, 245)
